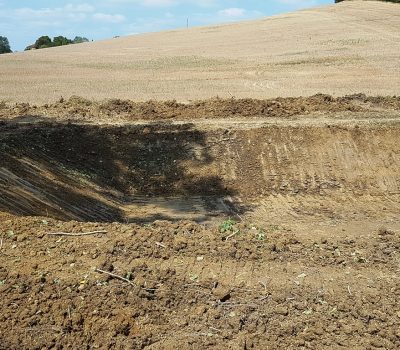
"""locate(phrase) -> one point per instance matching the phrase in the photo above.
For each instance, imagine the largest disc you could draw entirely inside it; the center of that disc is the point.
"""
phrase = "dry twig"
(75, 234)
(264, 285)
(349, 290)
(231, 235)
(115, 276)
(215, 329)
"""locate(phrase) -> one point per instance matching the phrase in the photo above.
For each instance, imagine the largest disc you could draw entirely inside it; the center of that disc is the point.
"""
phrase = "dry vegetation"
(341, 49)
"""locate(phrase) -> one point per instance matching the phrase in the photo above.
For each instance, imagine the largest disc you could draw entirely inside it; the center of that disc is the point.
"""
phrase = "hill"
(340, 49)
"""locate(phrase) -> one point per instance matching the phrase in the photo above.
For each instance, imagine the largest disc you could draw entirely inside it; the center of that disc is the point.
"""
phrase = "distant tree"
(79, 40)
(61, 41)
(4, 45)
(43, 42)
(30, 47)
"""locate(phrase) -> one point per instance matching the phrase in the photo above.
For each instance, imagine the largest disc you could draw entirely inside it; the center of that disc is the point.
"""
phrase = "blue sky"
(24, 21)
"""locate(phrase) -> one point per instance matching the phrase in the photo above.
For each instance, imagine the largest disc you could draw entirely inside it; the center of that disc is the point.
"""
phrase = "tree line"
(43, 42)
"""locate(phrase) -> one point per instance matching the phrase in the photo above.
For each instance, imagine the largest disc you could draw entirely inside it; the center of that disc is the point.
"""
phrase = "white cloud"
(79, 8)
(58, 15)
(108, 18)
(165, 3)
(158, 3)
(146, 3)
(232, 12)
(298, 3)
(70, 11)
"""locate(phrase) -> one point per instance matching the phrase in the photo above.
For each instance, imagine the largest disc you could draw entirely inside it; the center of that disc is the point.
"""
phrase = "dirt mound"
(78, 108)
(236, 287)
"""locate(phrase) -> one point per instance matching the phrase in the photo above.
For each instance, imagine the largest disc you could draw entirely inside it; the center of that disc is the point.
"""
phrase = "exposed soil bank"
(98, 173)
(77, 108)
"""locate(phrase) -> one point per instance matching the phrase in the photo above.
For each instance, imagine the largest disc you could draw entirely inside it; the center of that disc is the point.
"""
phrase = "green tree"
(61, 40)
(79, 39)
(43, 42)
(4, 45)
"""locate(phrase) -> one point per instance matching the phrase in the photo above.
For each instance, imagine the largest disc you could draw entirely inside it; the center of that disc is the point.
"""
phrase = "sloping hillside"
(340, 49)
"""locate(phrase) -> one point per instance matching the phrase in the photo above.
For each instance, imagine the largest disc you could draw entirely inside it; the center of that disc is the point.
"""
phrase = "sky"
(22, 21)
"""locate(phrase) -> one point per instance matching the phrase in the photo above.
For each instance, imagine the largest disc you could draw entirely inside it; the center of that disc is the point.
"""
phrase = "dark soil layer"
(195, 288)
(77, 108)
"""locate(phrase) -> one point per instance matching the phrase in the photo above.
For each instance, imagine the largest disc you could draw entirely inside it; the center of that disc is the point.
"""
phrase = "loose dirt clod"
(82, 110)
(51, 294)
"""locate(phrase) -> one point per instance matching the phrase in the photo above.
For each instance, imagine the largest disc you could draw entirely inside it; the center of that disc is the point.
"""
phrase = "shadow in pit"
(91, 172)
(35, 119)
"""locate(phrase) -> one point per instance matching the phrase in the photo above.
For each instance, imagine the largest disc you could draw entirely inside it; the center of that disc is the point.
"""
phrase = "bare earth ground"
(309, 261)
(231, 223)
(341, 49)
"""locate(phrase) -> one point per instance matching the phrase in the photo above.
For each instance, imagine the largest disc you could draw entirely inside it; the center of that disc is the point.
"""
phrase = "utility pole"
(187, 22)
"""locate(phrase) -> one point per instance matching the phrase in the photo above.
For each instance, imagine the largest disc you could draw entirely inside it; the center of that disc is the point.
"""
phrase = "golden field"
(340, 49)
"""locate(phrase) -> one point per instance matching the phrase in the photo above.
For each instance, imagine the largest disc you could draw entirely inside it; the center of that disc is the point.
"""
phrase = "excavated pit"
(107, 173)
(313, 263)
(146, 172)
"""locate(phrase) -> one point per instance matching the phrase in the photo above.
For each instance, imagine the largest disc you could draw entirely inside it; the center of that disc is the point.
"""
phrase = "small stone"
(222, 294)
(21, 238)
(200, 310)
(397, 332)
(282, 310)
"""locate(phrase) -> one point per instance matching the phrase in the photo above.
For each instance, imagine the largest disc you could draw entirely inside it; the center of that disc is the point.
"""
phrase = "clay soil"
(225, 224)
(193, 287)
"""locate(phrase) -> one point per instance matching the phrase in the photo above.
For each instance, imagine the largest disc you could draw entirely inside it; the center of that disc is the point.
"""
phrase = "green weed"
(227, 226)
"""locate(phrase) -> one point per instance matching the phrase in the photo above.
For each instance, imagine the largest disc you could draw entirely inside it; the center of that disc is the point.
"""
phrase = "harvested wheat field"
(264, 222)
(341, 49)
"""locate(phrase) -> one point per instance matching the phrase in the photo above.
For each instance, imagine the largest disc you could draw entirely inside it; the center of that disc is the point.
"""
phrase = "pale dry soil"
(340, 49)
